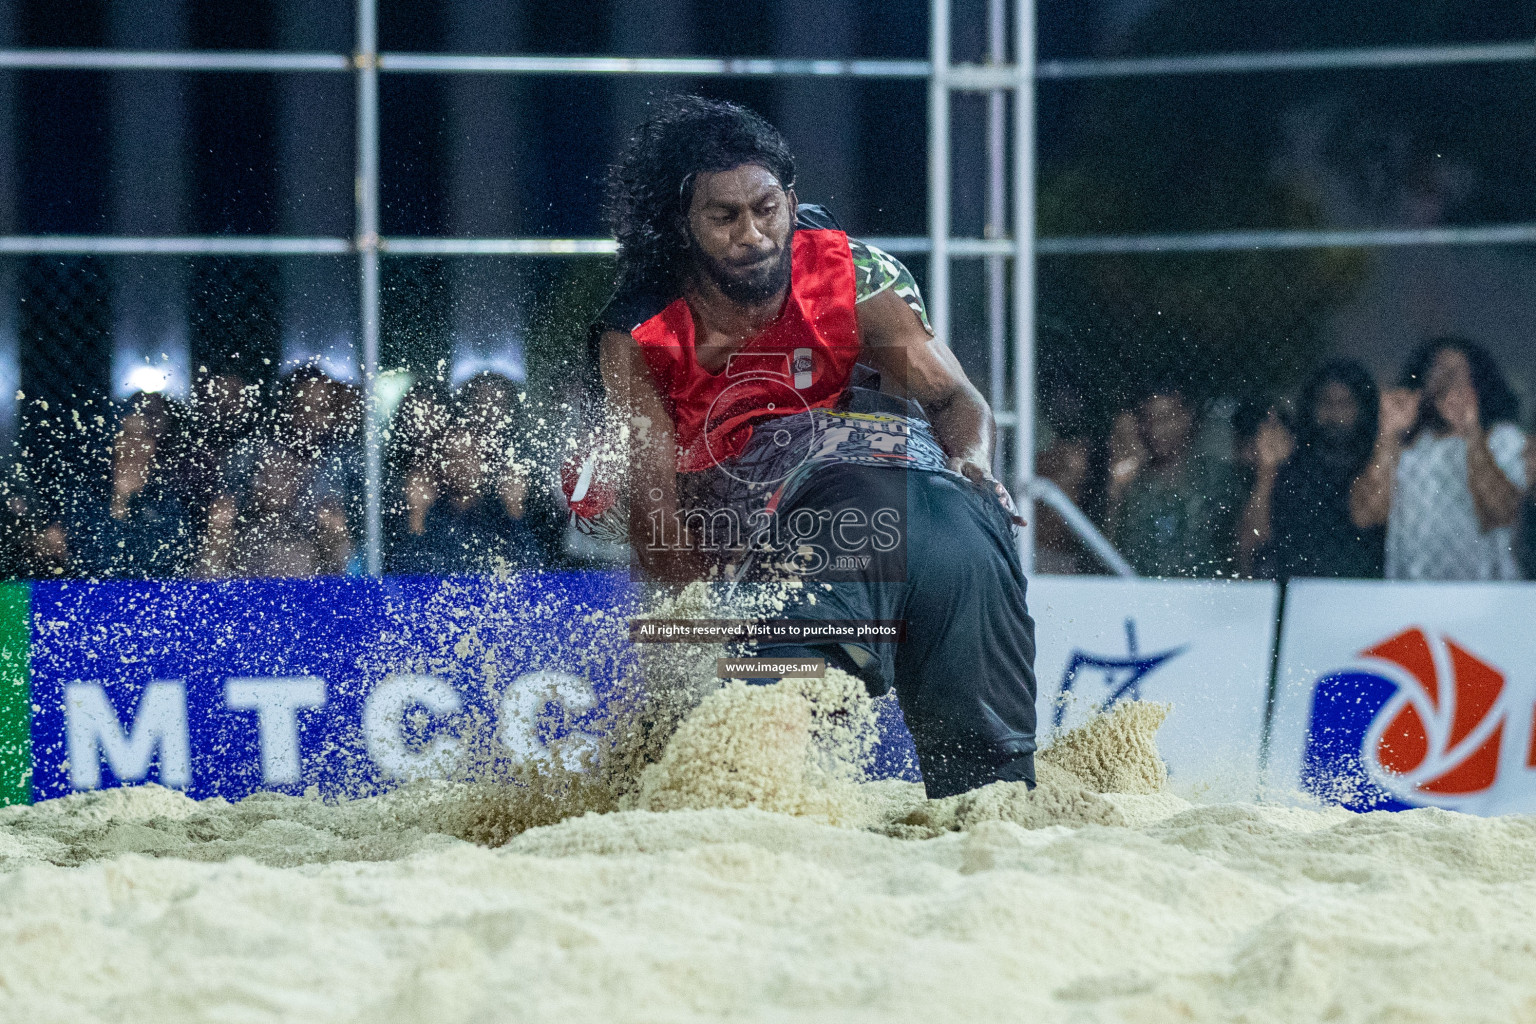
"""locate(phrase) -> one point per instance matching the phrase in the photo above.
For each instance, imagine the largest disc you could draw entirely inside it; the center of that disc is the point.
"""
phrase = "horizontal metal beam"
(1214, 241)
(498, 246)
(1301, 60)
(177, 60)
(1233, 241)
(440, 63)
(964, 77)
(961, 77)
(970, 247)
(131, 245)
(257, 245)
(684, 66)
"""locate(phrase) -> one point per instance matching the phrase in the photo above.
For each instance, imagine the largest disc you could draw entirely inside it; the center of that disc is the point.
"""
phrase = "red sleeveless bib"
(802, 360)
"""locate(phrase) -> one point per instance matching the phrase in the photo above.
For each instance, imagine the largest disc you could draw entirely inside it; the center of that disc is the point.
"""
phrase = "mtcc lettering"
(410, 725)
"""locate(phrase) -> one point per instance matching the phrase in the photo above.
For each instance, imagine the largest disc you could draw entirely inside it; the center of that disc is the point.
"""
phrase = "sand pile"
(751, 877)
(797, 747)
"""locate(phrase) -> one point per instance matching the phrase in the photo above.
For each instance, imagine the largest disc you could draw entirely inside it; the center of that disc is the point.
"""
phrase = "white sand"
(142, 905)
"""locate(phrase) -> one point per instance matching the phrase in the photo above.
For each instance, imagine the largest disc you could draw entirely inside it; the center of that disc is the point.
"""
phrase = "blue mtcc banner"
(346, 685)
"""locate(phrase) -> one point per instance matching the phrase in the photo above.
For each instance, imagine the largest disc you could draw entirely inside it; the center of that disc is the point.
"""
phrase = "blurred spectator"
(487, 403)
(492, 404)
(1447, 472)
(414, 440)
(418, 423)
(1172, 512)
(138, 529)
(1307, 530)
(1262, 443)
(1526, 541)
(16, 539)
(281, 530)
(29, 550)
(221, 441)
(157, 418)
(50, 552)
(319, 422)
(1065, 460)
(346, 467)
(467, 528)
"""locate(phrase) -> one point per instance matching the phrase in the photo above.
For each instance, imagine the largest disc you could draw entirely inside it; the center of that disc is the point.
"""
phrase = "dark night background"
(158, 153)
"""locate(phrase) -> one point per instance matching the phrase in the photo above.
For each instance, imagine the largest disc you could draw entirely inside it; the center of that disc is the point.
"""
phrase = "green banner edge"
(15, 693)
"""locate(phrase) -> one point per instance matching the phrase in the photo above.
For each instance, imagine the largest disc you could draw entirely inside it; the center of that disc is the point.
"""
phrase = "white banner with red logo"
(1202, 646)
(1395, 695)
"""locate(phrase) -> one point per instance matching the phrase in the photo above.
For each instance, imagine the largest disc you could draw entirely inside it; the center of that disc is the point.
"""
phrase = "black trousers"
(964, 674)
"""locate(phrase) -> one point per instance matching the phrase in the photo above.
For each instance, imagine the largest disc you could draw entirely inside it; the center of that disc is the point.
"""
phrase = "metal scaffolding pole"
(959, 248)
(983, 78)
(175, 60)
(1024, 272)
(997, 223)
(366, 61)
(690, 67)
(1357, 59)
(938, 169)
(1315, 238)
(140, 245)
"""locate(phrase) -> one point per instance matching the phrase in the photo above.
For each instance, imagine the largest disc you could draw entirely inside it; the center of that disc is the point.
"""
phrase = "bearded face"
(741, 224)
(749, 281)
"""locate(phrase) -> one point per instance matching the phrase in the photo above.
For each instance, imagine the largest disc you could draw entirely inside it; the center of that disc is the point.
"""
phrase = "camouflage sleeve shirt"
(876, 270)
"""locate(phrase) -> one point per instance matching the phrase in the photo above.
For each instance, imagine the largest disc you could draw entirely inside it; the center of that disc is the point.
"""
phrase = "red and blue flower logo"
(1420, 721)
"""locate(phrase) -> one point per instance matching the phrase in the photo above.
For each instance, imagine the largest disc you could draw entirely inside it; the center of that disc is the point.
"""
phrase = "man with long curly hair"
(786, 412)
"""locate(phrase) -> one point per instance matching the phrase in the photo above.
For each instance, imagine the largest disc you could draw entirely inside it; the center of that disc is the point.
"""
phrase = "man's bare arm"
(647, 433)
(896, 343)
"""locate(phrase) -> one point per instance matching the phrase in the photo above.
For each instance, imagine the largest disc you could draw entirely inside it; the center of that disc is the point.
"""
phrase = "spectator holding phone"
(1300, 524)
(467, 528)
(1447, 473)
(1262, 443)
(1172, 511)
(135, 528)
